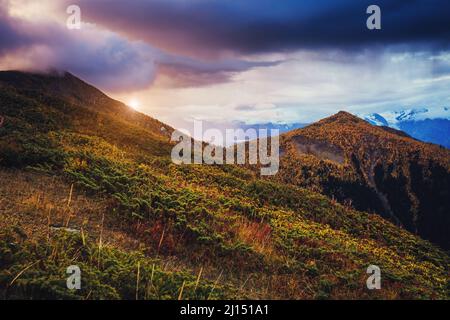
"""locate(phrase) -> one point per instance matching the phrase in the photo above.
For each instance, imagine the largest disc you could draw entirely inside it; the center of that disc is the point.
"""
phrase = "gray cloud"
(245, 108)
(11, 35)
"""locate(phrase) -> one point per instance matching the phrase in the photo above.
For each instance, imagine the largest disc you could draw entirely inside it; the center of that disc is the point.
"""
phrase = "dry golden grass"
(40, 205)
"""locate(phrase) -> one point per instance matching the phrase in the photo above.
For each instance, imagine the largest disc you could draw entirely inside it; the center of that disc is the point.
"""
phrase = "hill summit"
(378, 169)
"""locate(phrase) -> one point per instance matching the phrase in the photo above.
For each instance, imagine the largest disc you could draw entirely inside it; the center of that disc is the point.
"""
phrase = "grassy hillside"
(84, 185)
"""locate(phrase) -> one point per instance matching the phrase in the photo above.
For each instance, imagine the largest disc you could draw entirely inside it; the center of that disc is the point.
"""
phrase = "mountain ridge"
(66, 86)
(378, 167)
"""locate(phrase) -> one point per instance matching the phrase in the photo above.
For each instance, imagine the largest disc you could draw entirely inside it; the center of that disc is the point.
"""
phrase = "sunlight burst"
(135, 104)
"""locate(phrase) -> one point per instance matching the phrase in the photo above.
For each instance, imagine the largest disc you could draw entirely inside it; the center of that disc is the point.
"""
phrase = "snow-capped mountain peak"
(393, 118)
(426, 124)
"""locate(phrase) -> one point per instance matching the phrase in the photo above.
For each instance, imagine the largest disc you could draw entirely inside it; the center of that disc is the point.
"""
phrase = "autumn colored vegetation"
(86, 181)
(385, 171)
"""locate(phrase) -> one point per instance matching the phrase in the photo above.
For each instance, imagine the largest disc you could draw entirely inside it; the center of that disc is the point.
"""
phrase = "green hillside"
(86, 181)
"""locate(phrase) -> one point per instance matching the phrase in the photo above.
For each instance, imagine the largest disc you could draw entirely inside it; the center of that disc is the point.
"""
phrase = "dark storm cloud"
(254, 26)
(127, 45)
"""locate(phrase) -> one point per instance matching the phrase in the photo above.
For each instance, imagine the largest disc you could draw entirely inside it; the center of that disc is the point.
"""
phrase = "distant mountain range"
(245, 127)
(282, 127)
(426, 124)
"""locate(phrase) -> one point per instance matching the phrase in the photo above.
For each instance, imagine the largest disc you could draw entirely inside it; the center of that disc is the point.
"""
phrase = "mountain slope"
(377, 169)
(86, 185)
(38, 104)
